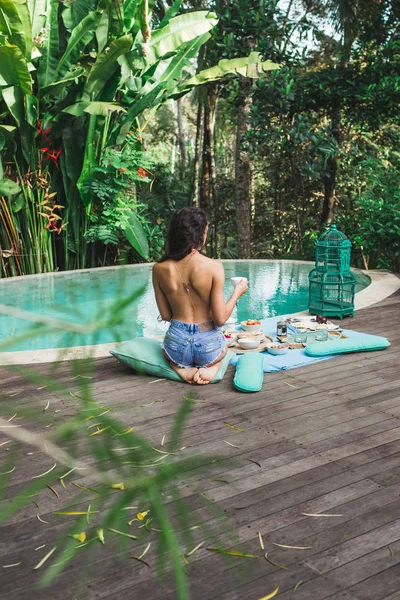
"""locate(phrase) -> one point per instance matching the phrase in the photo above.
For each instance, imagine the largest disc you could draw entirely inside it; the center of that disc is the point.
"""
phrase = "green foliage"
(169, 192)
(375, 197)
(293, 141)
(93, 68)
(113, 185)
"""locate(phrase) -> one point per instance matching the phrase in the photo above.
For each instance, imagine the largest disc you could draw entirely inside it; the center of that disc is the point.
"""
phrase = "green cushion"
(360, 343)
(249, 375)
(145, 356)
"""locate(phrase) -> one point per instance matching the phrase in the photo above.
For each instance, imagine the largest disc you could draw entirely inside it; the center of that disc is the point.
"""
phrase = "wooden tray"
(310, 338)
(232, 343)
(311, 324)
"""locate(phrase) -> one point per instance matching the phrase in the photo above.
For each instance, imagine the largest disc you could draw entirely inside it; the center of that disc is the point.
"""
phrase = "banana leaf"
(168, 39)
(116, 18)
(165, 77)
(14, 23)
(7, 131)
(38, 11)
(50, 49)
(31, 110)
(23, 12)
(130, 7)
(171, 12)
(14, 99)
(89, 162)
(93, 108)
(80, 37)
(105, 67)
(102, 31)
(81, 9)
(67, 18)
(250, 66)
(14, 68)
(55, 88)
(168, 71)
(136, 236)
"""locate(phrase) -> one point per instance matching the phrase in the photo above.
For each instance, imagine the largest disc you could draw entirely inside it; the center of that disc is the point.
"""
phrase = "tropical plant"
(74, 78)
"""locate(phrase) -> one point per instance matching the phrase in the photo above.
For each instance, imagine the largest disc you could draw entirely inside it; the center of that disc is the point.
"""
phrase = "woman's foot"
(206, 374)
(185, 373)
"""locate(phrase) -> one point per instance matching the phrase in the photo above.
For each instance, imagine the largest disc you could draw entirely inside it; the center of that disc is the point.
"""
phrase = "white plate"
(304, 325)
(312, 325)
(329, 326)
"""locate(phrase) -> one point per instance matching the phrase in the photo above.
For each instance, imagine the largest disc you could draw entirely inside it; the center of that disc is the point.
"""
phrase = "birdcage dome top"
(333, 237)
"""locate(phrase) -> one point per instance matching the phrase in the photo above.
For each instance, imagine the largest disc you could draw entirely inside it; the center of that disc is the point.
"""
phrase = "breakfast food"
(278, 346)
(304, 325)
(252, 322)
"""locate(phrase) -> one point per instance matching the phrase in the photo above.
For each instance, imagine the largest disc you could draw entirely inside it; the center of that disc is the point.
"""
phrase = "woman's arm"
(161, 299)
(221, 310)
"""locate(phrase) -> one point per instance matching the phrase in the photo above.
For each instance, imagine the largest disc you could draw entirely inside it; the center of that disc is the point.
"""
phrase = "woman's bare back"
(187, 286)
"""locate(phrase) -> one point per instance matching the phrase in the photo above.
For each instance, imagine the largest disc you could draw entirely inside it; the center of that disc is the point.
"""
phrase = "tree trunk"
(212, 103)
(332, 163)
(181, 133)
(244, 171)
(205, 186)
(208, 188)
(173, 157)
(197, 155)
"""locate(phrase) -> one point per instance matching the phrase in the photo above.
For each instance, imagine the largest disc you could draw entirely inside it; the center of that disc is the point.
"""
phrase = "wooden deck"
(318, 439)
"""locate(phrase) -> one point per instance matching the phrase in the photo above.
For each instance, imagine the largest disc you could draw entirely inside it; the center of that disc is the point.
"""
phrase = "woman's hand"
(241, 288)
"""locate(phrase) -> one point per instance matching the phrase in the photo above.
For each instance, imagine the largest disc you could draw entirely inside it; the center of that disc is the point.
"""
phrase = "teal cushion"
(145, 356)
(249, 375)
(360, 343)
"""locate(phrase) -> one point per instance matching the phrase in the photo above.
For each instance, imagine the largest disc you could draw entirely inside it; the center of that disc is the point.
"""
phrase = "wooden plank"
(356, 547)
(379, 586)
(367, 565)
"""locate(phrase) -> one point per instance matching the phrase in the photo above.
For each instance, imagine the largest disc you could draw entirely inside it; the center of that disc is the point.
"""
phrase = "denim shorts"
(186, 346)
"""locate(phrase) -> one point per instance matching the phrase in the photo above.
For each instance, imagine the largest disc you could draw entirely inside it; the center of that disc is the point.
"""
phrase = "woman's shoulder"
(161, 267)
(211, 264)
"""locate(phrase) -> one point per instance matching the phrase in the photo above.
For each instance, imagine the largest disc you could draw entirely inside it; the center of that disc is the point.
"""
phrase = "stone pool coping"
(383, 284)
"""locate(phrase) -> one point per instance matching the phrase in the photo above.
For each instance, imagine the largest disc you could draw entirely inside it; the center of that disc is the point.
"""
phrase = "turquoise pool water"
(275, 287)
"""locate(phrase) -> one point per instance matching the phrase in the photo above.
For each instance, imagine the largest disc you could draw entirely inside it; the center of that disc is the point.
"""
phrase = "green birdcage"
(332, 284)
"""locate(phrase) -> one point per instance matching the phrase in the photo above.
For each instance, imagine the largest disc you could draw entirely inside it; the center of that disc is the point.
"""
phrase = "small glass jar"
(321, 335)
(300, 337)
(281, 329)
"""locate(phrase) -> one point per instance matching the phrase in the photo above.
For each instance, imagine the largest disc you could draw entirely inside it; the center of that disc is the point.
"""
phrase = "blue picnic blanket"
(293, 358)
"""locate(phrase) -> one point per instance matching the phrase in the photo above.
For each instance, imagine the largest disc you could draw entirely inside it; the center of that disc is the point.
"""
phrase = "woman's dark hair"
(186, 231)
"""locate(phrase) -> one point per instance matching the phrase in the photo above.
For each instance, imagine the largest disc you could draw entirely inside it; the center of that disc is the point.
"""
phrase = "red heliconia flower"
(44, 149)
(38, 126)
(142, 172)
(47, 131)
(54, 155)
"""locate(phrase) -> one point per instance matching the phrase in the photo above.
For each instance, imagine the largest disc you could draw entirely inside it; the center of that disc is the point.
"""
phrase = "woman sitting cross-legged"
(189, 290)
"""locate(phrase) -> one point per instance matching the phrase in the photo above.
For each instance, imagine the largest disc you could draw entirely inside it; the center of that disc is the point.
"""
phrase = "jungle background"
(275, 117)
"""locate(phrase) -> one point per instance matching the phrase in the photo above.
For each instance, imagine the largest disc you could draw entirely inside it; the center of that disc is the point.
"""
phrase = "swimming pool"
(275, 287)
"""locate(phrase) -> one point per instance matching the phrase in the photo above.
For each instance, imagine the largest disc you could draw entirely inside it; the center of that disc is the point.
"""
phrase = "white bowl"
(250, 327)
(248, 343)
(277, 349)
(230, 325)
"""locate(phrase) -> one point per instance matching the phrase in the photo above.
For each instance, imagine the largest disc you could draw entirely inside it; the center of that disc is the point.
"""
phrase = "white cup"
(236, 280)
